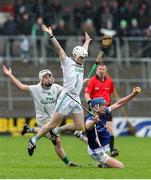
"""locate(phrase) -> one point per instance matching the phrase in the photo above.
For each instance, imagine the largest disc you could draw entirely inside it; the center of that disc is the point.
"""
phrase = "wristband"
(51, 36)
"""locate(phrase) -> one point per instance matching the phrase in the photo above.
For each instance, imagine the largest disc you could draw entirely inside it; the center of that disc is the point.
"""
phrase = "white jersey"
(72, 76)
(44, 100)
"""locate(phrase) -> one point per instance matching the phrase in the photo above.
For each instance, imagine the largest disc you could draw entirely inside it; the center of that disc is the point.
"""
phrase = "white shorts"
(98, 155)
(42, 122)
(66, 105)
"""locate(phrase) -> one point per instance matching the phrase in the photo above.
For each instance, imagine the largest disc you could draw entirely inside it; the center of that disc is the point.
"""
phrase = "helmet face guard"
(99, 102)
(80, 51)
(43, 73)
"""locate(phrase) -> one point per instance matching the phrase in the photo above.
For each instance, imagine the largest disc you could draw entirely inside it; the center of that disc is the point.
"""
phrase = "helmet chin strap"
(96, 109)
(75, 59)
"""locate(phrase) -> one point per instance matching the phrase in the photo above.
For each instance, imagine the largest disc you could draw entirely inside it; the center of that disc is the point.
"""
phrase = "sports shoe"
(73, 164)
(31, 147)
(102, 166)
(25, 128)
(77, 133)
(114, 153)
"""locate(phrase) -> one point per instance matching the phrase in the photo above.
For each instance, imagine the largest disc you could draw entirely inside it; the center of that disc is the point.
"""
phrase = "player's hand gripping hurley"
(106, 42)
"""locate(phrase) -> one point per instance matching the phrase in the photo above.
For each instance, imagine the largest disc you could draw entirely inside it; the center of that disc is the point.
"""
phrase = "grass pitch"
(15, 163)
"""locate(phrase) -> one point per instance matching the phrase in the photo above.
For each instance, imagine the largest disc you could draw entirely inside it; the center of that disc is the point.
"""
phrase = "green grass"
(135, 153)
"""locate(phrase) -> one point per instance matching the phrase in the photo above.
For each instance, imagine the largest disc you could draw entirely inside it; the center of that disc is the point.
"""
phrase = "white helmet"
(43, 73)
(80, 51)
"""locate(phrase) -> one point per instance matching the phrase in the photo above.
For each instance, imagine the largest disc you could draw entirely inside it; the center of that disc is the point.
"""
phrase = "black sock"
(112, 143)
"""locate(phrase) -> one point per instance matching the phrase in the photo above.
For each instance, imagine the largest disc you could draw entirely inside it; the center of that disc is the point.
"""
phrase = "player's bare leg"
(78, 121)
(77, 125)
(61, 153)
(114, 163)
(68, 127)
(55, 120)
(57, 144)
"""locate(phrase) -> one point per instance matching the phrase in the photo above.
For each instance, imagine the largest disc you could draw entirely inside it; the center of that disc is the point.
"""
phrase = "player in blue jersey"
(98, 137)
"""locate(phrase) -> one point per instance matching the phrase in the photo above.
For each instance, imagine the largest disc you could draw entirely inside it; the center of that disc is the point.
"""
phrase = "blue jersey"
(102, 132)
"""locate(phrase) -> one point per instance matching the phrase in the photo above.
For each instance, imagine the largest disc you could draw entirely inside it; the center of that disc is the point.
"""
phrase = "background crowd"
(127, 18)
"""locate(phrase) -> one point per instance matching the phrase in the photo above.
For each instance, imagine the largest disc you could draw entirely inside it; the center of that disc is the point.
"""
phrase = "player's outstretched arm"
(87, 41)
(15, 81)
(136, 91)
(54, 42)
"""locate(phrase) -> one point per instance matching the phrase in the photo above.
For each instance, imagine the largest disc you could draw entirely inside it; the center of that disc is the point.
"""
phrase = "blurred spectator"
(61, 30)
(124, 31)
(7, 8)
(40, 7)
(10, 26)
(10, 29)
(107, 19)
(144, 15)
(25, 24)
(87, 10)
(53, 12)
(135, 30)
(129, 11)
(98, 16)
(146, 44)
(55, 8)
(77, 15)
(24, 49)
(115, 13)
(66, 14)
(20, 7)
(36, 28)
(88, 26)
(36, 32)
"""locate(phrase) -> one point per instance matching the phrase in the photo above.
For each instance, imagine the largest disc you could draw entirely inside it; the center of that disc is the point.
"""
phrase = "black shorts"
(109, 117)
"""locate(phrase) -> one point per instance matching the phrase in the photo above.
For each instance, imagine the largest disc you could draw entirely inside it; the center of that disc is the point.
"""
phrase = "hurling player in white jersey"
(72, 84)
(45, 95)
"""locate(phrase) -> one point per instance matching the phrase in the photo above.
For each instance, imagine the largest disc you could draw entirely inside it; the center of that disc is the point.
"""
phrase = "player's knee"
(52, 124)
(56, 119)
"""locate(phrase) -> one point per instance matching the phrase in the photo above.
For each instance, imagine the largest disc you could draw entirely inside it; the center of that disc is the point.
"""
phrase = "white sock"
(34, 140)
(57, 130)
